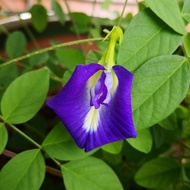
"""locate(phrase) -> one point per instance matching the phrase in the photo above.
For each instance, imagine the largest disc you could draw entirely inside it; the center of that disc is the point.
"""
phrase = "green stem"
(122, 13)
(49, 49)
(31, 36)
(29, 139)
(24, 135)
(72, 20)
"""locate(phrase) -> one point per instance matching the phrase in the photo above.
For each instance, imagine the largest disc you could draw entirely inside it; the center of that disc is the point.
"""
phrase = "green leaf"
(58, 144)
(158, 173)
(182, 112)
(186, 44)
(186, 10)
(39, 59)
(3, 137)
(24, 171)
(113, 148)
(39, 17)
(58, 11)
(158, 134)
(169, 123)
(15, 44)
(146, 37)
(25, 96)
(66, 76)
(158, 88)
(7, 75)
(169, 12)
(143, 141)
(70, 58)
(89, 173)
(93, 57)
(82, 22)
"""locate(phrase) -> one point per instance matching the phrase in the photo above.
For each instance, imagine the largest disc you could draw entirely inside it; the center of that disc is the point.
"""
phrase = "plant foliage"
(36, 150)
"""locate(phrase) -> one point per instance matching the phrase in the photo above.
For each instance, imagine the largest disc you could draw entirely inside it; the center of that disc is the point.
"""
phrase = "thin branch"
(122, 13)
(72, 20)
(49, 169)
(50, 49)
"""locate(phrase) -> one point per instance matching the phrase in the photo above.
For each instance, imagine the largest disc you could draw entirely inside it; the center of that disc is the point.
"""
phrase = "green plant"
(155, 48)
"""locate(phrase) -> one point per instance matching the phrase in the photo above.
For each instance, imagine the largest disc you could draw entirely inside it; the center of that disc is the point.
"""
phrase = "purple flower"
(95, 105)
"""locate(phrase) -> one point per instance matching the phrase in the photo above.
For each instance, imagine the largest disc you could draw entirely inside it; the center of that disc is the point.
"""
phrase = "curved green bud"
(108, 58)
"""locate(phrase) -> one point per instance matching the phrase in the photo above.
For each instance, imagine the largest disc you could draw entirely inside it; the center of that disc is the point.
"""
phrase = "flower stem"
(49, 49)
(29, 139)
(24, 135)
(72, 20)
(122, 13)
(21, 133)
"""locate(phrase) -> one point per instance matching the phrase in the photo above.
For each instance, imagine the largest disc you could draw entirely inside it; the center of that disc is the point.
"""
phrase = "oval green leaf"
(39, 17)
(82, 22)
(146, 37)
(169, 123)
(25, 96)
(24, 171)
(186, 44)
(143, 141)
(66, 76)
(3, 137)
(15, 44)
(186, 10)
(38, 59)
(58, 11)
(93, 56)
(169, 12)
(160, 172)
(59, 144)
(70, 58)
(113, 148)
(158, 88)
(89, 173)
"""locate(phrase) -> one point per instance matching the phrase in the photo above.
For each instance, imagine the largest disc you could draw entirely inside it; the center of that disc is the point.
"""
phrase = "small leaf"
(3, 137)
(146, 37)
(160, 172)
(186, 10)
(159, 86)
(113, 148)
(182, 112)
(39, 59)
(59, 144)
(7, 75)
(93, 56)
(89, 173)
(24, 171)
(15, 44)
(66, 76)
(169, 123)
(39, 17)
(25, 96)
(186, 44)
(158, 134)
(82, 21)
(58, 11)
(143, 141)
(70, 58)
(169, 12)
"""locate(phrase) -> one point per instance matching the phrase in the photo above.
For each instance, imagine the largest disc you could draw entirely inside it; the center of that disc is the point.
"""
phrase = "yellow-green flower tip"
(116, 33)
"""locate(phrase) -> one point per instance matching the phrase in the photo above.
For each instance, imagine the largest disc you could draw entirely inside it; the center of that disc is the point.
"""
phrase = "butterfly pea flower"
(95, 104)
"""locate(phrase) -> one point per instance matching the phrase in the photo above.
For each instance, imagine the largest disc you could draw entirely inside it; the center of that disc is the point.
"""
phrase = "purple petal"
(115, 122)
(99, 92)
(72, 103)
